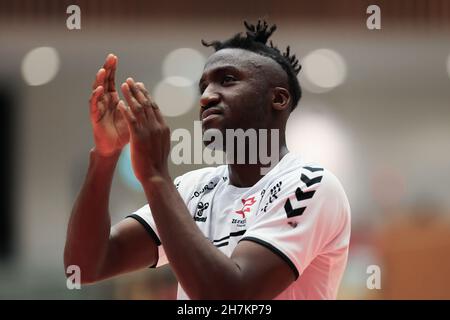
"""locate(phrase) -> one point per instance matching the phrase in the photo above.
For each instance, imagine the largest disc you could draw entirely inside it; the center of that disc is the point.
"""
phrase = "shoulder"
(306, 187)
(294, 173)
(325, 198)
(331, 186)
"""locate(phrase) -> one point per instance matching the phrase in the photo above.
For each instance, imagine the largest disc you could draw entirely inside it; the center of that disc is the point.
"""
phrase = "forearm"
(89, 225)
(203, 271)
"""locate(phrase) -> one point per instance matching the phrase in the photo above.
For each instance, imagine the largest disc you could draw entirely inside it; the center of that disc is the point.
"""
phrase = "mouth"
(210, 113)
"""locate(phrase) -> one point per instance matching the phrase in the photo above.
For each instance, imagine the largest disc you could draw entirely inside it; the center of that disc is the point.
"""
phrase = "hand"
(110, 128)
(149, 133)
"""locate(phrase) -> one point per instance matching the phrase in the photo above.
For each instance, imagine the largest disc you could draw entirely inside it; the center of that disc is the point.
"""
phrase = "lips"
(210, 111)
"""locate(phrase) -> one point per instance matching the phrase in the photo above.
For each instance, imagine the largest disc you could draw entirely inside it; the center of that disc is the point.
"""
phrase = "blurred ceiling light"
(175, 96)
(323, 70)
(318, 138)
(178, 81)
(184, 62)
(40, 66)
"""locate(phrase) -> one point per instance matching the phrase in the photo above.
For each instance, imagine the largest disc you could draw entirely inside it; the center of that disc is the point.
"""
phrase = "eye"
(228, 78)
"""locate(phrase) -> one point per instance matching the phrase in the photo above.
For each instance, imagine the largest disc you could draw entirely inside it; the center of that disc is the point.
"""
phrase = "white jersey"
(300, 212)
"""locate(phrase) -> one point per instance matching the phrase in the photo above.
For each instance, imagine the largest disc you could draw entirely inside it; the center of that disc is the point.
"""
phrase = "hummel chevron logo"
(290, 211)
(300, 195)
(313, 169)
(309, 182)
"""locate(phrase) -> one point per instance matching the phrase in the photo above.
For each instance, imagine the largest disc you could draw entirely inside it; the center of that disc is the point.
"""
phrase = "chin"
(213, 138)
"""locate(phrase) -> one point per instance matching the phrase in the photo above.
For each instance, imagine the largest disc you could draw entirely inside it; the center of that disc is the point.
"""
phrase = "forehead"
(238, 58)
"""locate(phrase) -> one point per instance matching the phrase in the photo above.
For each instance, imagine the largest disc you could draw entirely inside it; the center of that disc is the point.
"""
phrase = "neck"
(248, 174)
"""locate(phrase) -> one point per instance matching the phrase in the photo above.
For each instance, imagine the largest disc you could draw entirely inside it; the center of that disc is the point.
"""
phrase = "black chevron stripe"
(291, 212)
(313, 169)
(309, 182)
(300, 195)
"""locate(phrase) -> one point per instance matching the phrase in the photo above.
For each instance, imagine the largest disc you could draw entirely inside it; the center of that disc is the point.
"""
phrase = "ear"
(281, 98)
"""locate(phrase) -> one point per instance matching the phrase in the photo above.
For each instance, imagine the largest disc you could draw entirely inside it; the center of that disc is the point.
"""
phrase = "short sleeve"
(301, 215)
(144, 217)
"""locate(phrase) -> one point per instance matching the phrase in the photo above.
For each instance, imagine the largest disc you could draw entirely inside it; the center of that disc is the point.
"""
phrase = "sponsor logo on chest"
(246, 207)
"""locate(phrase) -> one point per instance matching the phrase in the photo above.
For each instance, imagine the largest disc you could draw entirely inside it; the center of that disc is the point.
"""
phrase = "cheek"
(252, 112)
(255, 97)
(258, 104)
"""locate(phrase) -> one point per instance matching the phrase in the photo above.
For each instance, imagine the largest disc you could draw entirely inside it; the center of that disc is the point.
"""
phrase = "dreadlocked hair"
(255, 40)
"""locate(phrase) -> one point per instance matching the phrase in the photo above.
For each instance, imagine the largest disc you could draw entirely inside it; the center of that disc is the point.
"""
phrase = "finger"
(137, 93)
(141, 87)
(95, 104)
(135, 107)
(112, 75)
(143, 95)
(154, 110)
(158, 114)
(140, 97)
(114, 98)
(99, 78)
(107, 66)
(128, 116)
(105, 79)
(96, 93)
(108, 61)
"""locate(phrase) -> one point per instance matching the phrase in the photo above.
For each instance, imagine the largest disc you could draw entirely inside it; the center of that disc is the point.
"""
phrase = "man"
(228, 232)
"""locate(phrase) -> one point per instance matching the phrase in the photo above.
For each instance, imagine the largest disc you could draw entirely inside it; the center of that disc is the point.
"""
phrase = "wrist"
(102, 162)
(156, 181)
(95, 152)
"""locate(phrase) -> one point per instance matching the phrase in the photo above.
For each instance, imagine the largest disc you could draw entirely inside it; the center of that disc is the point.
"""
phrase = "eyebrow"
(220, 69)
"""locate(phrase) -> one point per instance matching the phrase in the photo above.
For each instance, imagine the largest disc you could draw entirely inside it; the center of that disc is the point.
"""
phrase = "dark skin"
(103, 255)
(232, 84)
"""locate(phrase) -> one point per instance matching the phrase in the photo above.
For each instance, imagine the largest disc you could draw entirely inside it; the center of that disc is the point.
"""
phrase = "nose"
(209, 98)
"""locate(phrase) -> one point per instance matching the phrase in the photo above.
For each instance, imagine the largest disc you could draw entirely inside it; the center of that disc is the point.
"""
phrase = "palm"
(110, 129)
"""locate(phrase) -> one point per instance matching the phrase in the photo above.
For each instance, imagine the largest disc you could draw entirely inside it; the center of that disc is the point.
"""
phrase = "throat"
(247, 174)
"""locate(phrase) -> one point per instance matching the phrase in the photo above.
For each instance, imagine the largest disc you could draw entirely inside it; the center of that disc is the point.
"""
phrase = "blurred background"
(375, 111)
